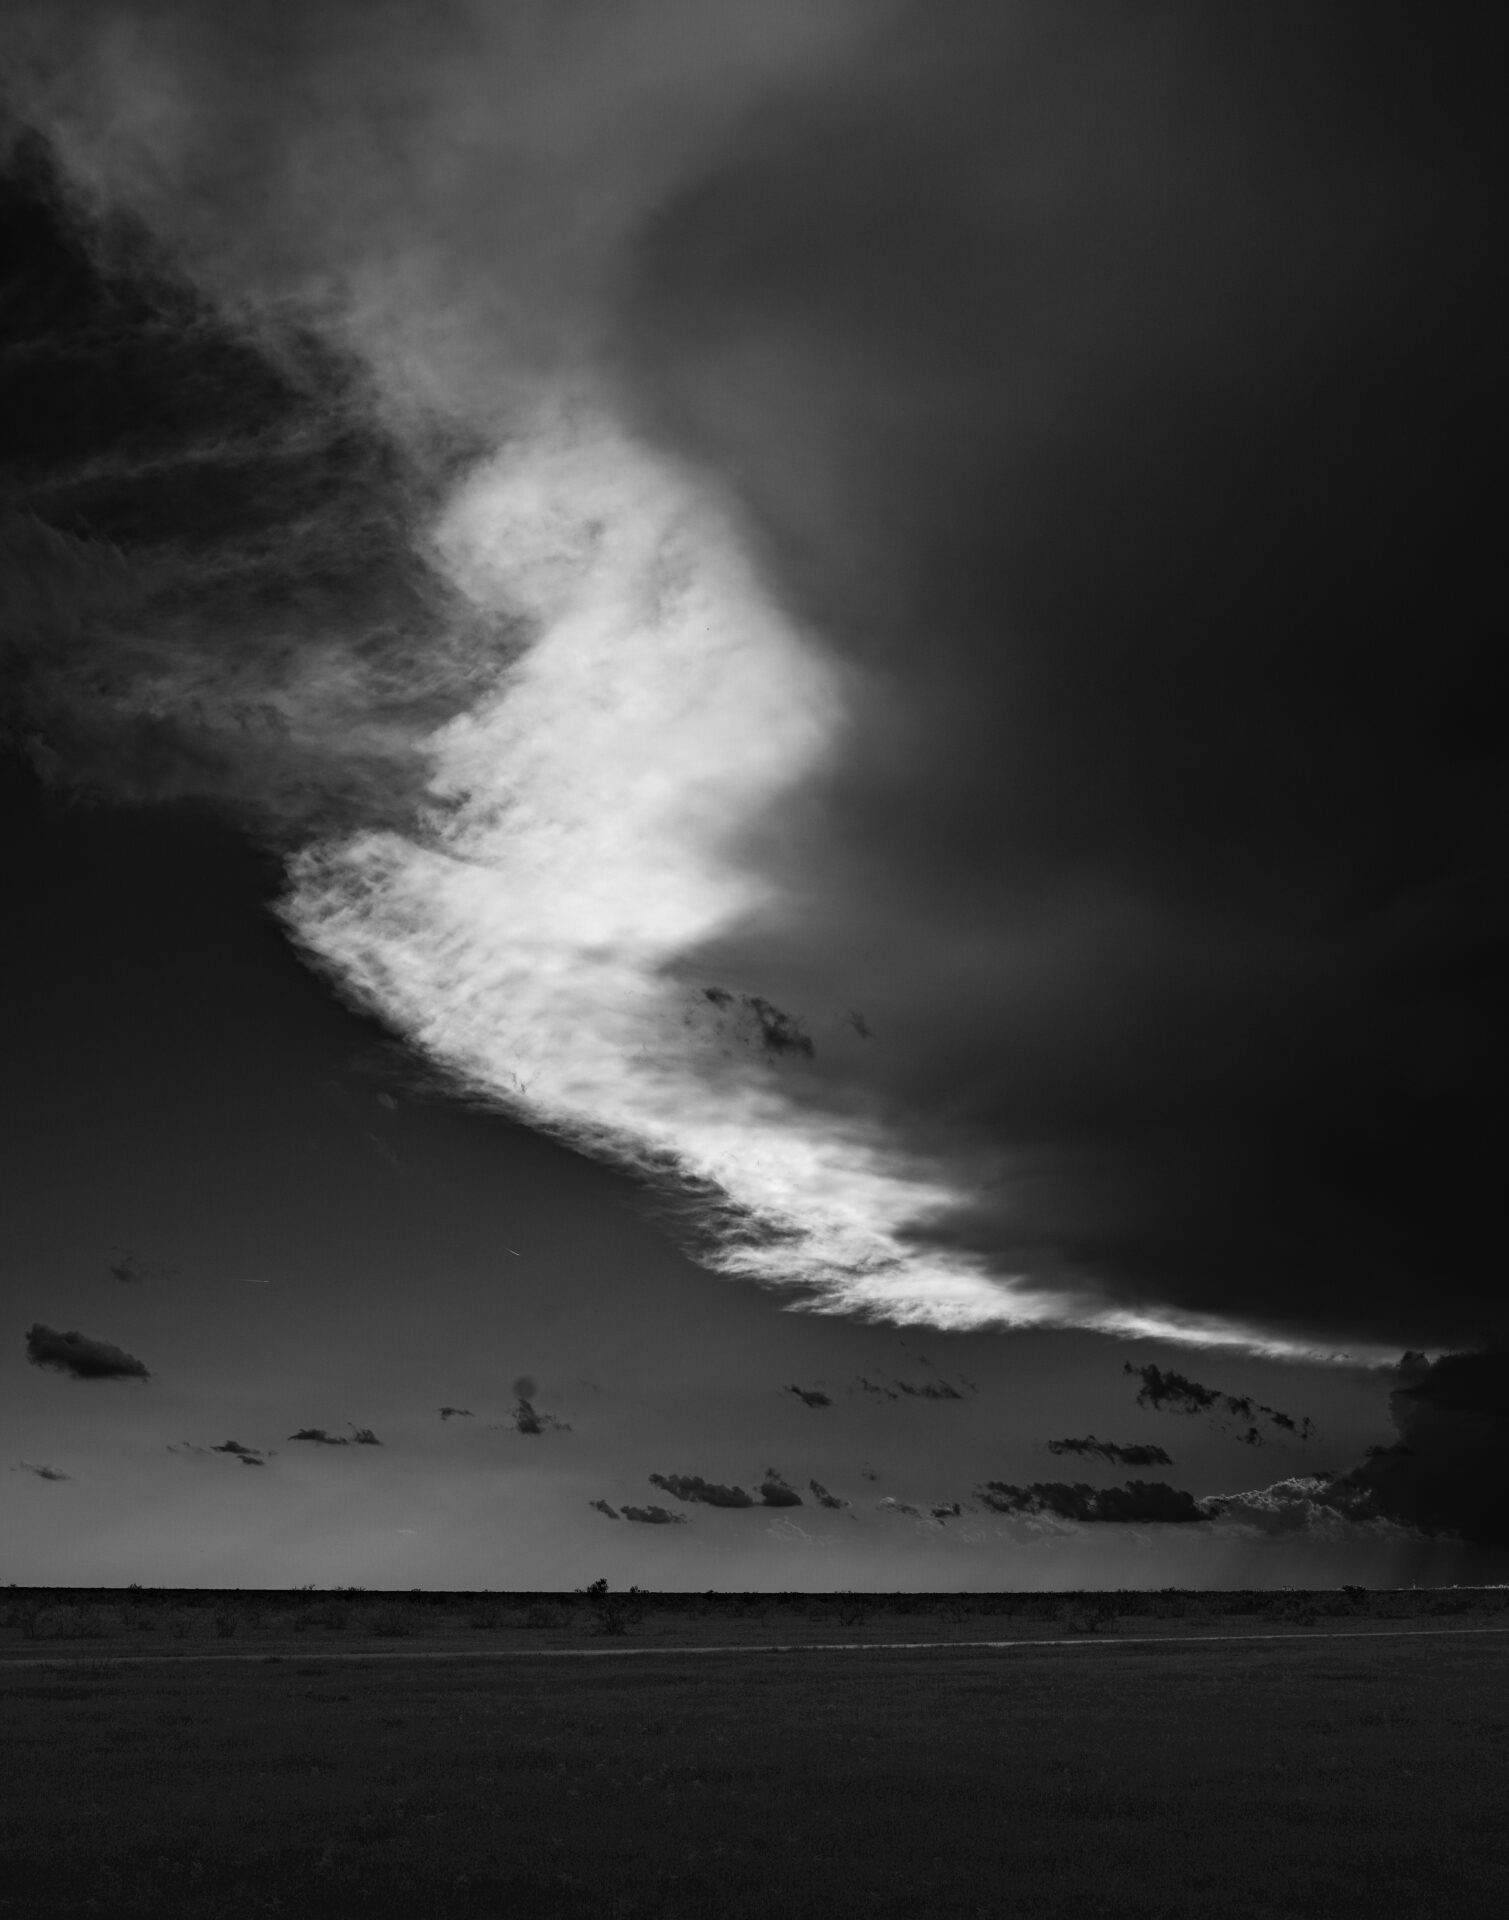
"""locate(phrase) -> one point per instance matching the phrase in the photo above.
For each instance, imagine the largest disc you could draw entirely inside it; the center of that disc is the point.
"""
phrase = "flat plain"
(1146, 1756)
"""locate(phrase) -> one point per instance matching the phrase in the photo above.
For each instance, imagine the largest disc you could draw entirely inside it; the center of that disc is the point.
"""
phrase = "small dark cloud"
(949, 1510)
(320, 1435)
(1171, 1390)
(248, 1456)
(822, 1496)
(755, 1022)
(779, 1032)
(601, 1506)
(891, 1505)
(129, 1268)
(939, 1389)
(877, 1387)
(692, 1487)
(527, 1418)
(655, 1516)
(1120, 1456)
(186, 1446)
(811, 1396)
(860, 1025)
(42, 1473)
(1167, 1391)
(1138, 1500)
(77, 1354)
(363, 1436)
(456, 1413)
(775, 1490)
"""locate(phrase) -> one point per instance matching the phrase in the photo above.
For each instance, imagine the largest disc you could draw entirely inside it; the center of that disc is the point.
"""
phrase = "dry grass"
(1337, 1779)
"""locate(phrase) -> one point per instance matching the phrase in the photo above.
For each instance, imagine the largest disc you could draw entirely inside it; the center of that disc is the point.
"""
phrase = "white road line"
(795, 1646)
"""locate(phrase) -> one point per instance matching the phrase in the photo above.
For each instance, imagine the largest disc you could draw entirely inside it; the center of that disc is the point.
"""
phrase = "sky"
(755, 838)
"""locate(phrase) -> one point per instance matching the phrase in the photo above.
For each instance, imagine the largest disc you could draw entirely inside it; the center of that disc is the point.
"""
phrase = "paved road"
(1087, 1643)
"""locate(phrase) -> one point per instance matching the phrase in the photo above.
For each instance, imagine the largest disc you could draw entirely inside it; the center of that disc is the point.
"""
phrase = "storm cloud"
(1112, 386)
(966, 513)
(1448, 1470)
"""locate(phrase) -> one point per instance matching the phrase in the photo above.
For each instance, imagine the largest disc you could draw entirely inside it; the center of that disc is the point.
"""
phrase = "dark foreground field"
(1113, 1764)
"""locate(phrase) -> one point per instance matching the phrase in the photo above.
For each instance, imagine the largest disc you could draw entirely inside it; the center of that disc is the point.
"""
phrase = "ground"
(1111, 1758)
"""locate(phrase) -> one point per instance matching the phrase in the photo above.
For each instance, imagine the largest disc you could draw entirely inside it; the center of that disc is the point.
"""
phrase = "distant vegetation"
(142, 1616)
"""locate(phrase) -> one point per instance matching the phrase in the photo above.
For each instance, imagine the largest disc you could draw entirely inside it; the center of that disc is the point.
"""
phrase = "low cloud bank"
(1138, 1501)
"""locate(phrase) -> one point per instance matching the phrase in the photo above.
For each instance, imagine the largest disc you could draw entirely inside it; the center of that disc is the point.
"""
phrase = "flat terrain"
(1124, 1768)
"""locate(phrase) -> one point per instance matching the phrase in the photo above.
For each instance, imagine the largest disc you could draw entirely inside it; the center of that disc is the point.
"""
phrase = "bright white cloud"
(651, 703)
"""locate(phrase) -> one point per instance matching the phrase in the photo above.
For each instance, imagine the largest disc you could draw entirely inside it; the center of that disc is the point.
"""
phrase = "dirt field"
(1117, 1763)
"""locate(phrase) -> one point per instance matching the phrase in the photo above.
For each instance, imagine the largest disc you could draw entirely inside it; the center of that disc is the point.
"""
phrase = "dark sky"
(751, 748)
